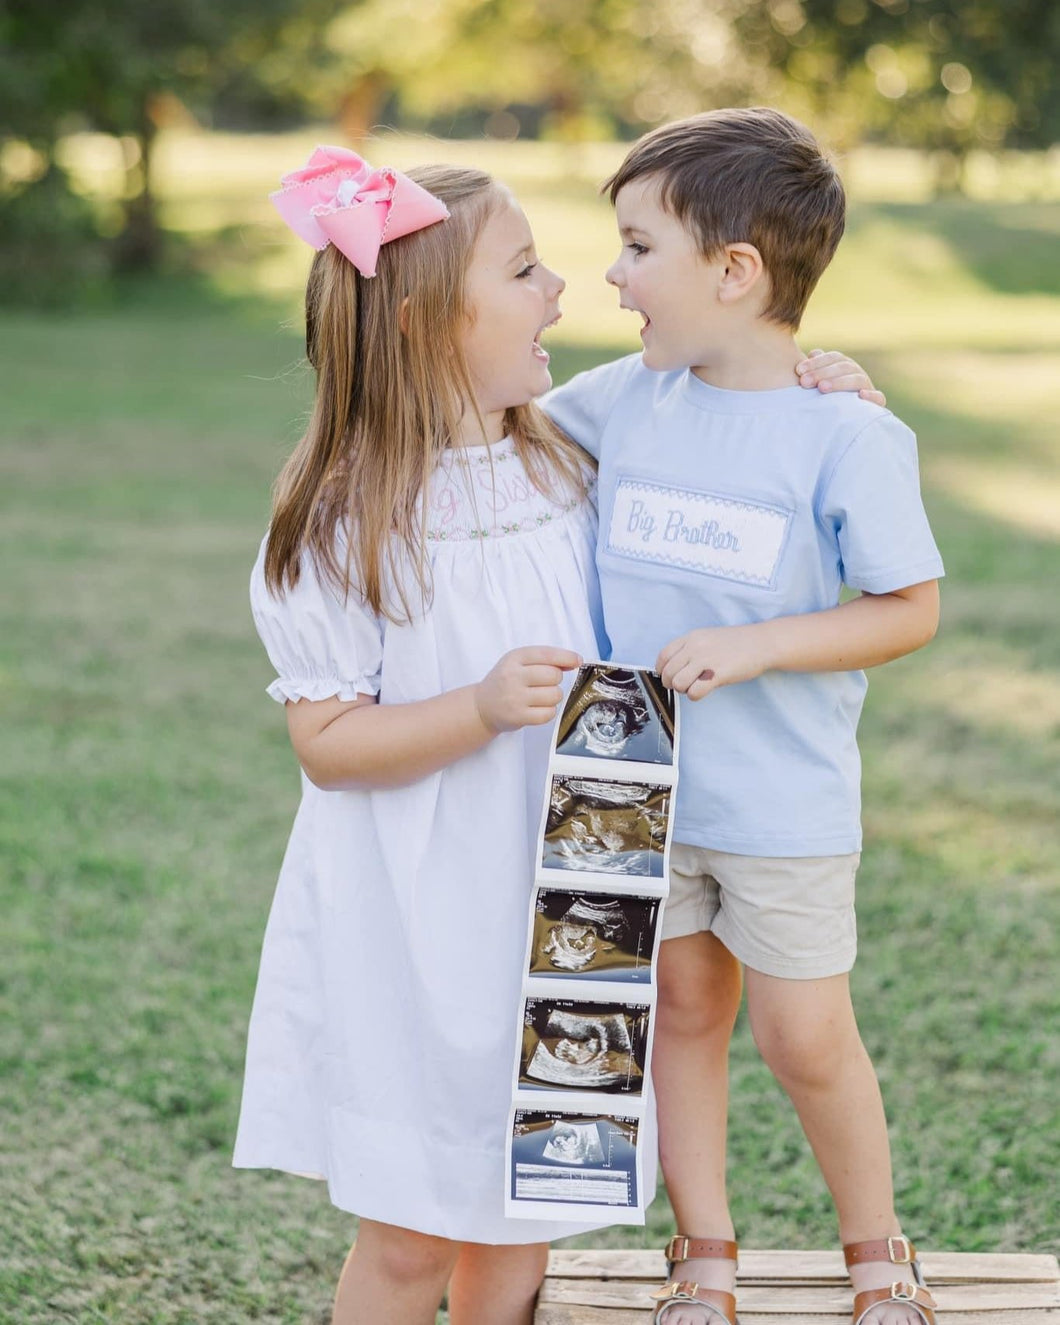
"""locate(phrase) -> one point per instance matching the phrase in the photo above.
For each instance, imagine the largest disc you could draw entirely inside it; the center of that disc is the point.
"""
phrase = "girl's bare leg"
(496, 1285)
(808, 1036)
(393, 1276)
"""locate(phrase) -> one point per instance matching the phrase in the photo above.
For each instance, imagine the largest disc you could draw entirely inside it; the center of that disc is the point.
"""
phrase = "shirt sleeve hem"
(901, 577)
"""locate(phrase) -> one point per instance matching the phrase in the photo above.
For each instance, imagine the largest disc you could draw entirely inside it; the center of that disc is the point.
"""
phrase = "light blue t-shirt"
(721, 508)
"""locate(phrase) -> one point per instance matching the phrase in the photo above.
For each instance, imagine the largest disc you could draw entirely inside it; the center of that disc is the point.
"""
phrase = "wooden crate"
(801, 1288)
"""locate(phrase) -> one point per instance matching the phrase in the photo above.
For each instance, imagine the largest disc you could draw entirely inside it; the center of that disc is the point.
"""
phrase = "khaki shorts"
(786, 916)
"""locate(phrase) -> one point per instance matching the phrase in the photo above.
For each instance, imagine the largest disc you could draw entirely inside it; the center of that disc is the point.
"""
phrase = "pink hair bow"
(337, 198)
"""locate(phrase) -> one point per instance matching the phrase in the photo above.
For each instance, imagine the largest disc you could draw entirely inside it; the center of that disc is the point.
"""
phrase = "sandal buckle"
(903, 1292)
(671, 1253)
(906, 1257)
(682, 1289)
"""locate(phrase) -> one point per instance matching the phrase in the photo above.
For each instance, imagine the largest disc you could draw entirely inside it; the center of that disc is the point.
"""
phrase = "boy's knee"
(809, 1055)
(685, 1011)
(697, 1002)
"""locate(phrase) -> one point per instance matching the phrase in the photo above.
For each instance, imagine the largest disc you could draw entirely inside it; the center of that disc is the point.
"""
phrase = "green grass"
(147, 786)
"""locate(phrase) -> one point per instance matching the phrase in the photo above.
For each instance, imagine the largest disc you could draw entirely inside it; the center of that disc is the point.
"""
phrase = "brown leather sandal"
(899, 1251)
(717, 1302)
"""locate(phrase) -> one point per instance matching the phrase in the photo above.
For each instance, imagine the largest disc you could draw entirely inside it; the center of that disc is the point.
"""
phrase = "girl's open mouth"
(536, 348)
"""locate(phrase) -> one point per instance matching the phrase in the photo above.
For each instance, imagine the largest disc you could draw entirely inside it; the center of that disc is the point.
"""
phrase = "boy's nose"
(614, 273)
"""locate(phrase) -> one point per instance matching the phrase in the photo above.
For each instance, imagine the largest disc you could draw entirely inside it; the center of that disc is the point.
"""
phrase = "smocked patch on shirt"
(732, 538)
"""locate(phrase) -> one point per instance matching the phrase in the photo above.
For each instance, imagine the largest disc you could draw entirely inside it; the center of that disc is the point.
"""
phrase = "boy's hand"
(523, 689)
(699, 662)
(830, 370)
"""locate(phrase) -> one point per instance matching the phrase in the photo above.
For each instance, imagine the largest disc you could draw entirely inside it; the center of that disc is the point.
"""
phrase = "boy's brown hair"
(751, 176)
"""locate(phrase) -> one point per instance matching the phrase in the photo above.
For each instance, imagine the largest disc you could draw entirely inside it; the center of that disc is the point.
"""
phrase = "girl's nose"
(557, 283)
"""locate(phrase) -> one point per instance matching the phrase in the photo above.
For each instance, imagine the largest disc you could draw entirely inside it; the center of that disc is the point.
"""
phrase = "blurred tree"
(944, 74)
(591, 63)
(948, 74)
(109, 65)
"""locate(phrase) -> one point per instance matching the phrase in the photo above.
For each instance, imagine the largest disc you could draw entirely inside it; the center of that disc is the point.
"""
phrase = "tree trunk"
(950, 171)
(140, 244)
(359, 112)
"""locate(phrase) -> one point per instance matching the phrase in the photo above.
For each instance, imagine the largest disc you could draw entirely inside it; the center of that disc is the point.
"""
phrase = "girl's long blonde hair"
(392, 386)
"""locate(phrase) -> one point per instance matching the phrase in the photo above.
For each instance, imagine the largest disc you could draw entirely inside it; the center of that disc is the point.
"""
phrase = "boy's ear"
(743, 269)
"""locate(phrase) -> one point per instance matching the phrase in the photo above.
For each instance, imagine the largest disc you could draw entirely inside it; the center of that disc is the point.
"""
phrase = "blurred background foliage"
(952, 77)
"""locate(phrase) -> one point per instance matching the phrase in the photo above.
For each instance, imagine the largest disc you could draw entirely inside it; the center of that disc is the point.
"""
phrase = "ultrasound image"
(597, 935)
(618, 713)
(574, 1143)
(606, 827)
(584, 1046)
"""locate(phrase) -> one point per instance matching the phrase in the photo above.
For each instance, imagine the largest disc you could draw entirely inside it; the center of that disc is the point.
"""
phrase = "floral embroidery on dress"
(494, 458)
(502, 530)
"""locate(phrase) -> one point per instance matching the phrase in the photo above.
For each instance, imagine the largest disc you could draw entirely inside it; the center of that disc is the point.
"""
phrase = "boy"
(733, 507)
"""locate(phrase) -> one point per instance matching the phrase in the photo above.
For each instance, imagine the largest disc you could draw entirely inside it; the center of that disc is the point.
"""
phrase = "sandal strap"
(719, 1303)
(898, 1250)
(917, 1297)
(682, 1248)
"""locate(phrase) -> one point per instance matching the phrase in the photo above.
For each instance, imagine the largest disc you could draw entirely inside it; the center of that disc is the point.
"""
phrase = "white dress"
(381, 1044)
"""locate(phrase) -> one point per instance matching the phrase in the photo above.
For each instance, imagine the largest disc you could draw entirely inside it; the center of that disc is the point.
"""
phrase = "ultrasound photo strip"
(583, 1052)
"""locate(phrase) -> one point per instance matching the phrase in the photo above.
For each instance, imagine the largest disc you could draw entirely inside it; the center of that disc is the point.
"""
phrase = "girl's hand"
(830, 370)
(699, 662)
(523, 690)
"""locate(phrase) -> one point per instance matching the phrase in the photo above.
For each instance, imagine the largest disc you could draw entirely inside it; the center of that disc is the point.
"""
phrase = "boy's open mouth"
(646, 320)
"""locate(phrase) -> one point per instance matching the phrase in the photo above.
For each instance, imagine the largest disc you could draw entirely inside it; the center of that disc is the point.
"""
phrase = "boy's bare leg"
(393, 1276)
(496, 1285)
(699, 996)
(807, 1034)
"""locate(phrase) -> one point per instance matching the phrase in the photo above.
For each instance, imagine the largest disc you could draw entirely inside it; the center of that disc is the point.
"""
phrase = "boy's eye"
(521, 275)
(638, 249)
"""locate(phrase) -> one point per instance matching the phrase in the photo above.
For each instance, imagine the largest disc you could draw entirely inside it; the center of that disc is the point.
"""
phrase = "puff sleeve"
(319, 645)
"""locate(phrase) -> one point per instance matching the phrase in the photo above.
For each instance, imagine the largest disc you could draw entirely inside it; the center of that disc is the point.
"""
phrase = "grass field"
(147, 786)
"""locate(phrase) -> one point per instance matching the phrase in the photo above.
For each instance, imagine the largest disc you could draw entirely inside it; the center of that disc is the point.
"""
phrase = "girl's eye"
(522, 275)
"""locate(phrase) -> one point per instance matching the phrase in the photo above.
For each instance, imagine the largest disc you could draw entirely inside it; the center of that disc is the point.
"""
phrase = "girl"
(426, 581)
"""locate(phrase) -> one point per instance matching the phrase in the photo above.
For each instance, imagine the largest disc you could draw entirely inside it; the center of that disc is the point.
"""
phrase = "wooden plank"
(556, 1313)
(815, 1300)
(785, 1267)
(594, 1287)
